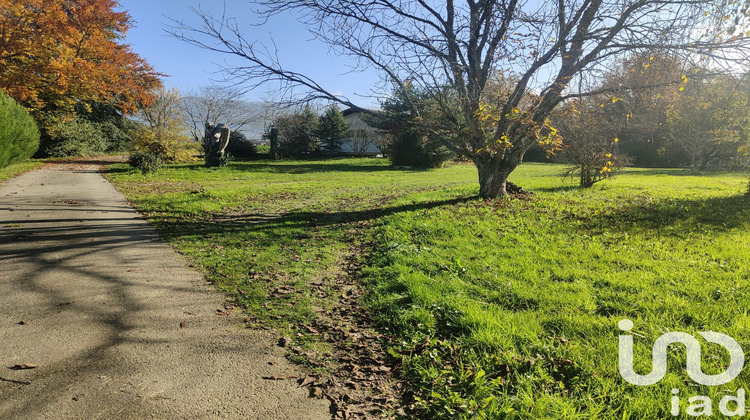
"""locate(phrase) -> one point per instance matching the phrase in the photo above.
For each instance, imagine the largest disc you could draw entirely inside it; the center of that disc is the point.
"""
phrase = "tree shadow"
(286, 227)
(92, 160)
(674, 172)
(560, 188)
(676, 216)
(306, 166)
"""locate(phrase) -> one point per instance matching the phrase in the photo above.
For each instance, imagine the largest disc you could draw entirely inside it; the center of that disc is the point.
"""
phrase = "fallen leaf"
(23, 322)
(308, 379)
(284, 290)
(183, 324)
(23, 366)
(379, 369)
(190, 313)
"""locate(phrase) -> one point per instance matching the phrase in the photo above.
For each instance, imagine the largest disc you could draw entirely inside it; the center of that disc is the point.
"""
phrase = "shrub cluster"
(77, 138)
(411, 148)
(240, 147)
(170, 145)
(19, 135)
(146, 162)
(92, 129)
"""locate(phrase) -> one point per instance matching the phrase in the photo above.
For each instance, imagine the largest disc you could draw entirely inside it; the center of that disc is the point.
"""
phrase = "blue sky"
(190, 68)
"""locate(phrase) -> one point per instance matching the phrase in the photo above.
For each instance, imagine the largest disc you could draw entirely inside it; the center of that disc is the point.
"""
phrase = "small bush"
(146, 162)
(169, 145)
(19, 134)
(240, 147)
(410, 148)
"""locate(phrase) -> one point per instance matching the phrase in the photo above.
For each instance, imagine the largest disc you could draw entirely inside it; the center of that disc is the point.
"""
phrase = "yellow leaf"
(682, 88)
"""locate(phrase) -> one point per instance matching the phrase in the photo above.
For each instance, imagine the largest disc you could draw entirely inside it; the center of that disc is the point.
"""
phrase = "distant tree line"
(686, 116)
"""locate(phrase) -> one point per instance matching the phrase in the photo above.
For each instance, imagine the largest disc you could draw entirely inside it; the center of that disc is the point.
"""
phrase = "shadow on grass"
(308, 166)
(275, 225)
(681, 216)
(674, 172)
(560, 188)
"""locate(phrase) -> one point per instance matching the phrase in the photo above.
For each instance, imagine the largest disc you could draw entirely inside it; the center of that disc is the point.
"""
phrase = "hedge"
(19, 135)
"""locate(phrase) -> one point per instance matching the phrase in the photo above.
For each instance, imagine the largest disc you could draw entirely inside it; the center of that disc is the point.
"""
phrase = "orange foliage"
(57, 53)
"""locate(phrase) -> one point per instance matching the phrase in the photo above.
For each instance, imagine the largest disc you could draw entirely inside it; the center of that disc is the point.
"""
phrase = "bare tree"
(218, 105)
(452, 49)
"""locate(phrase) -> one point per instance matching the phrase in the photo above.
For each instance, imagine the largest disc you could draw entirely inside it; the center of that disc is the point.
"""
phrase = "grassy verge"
(510, 309)
(19, 168)
(503, 309)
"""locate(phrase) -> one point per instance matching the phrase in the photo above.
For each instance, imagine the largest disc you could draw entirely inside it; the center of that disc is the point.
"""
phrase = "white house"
(363, 139)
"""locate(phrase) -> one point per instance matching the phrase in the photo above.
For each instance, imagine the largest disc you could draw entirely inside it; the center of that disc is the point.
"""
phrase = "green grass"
(16, 169)
(497, 309)
(265, 228)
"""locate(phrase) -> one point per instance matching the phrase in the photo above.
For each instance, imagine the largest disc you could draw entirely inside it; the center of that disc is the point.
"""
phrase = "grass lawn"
(16, 169)
(492, 309)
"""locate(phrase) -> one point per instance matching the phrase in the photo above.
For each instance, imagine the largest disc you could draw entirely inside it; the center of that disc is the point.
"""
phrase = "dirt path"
(116, 323)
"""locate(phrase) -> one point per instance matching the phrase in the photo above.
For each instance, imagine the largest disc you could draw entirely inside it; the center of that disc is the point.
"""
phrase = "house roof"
(350, 111)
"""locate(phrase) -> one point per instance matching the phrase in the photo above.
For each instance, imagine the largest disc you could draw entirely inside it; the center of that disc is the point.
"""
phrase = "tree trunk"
(494, 172)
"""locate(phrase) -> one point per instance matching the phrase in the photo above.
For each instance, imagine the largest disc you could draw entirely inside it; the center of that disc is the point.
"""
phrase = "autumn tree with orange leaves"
(56, 56)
